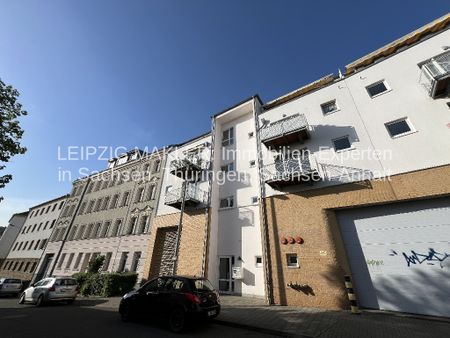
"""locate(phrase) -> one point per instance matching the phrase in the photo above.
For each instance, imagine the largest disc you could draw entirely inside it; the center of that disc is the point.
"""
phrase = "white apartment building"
(10, 233)
(31, 242)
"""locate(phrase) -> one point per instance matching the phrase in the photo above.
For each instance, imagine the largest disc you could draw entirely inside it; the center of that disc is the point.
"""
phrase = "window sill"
(344, 150)
(404, 134)
(380, 94)
(293, 267)
(331, 112)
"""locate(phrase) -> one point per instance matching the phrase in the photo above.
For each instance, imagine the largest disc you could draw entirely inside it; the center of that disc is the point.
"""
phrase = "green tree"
(10, 130)
(95, 264)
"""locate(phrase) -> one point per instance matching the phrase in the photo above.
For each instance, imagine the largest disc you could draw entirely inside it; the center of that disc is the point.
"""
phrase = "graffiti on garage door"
(431, 258)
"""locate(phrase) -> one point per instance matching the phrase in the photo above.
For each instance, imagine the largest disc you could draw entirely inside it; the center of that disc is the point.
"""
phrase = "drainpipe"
(206, 236)
(263, 214)
(68, 228)
(177, 241)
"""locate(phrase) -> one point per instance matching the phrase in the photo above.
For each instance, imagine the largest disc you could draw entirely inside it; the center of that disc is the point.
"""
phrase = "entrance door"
(226, 284)
(45, 267)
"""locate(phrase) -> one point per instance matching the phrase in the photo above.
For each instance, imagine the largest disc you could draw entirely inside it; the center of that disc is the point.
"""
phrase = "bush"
(95, 264)
(105, 284)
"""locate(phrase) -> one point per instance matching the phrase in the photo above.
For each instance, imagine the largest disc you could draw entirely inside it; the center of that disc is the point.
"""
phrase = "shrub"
(95, 264)
(105, 284)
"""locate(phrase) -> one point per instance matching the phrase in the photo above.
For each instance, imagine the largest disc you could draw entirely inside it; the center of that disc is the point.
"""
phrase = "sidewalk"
(285, 321)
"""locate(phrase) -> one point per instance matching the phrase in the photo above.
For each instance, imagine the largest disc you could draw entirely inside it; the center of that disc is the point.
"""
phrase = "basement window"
(258, 261)
(399, 128)
(377, 88)
(227, 202)
(292, 260)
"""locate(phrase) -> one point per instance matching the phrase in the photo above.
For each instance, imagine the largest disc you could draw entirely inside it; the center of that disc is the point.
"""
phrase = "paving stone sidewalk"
(285, 321)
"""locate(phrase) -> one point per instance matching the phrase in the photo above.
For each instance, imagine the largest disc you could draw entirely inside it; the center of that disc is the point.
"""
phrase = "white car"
(10, 286)
(49, 290)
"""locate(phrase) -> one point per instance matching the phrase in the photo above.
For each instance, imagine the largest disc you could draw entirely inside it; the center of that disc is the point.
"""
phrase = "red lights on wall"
(291, 240)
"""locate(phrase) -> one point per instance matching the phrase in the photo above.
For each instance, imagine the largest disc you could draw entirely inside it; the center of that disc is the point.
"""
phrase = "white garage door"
(399, 255)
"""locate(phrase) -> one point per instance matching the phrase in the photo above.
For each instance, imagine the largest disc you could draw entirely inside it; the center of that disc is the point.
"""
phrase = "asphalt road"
(87, 318)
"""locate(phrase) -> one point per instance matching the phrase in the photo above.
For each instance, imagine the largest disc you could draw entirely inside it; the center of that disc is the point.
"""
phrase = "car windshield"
(203, 285)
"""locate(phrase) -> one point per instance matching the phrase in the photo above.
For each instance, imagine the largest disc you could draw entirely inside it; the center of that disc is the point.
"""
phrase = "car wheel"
(177, 320)
(22, 298)
(40, 300)
(125, 313)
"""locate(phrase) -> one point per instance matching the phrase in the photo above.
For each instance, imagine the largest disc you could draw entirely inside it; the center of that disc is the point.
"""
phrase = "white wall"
(8, 238)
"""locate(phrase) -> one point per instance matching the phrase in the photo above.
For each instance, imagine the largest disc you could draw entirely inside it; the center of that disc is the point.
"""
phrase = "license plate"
(211, 313)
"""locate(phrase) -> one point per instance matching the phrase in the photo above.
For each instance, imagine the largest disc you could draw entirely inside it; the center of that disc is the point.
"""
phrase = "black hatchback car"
(178, 299)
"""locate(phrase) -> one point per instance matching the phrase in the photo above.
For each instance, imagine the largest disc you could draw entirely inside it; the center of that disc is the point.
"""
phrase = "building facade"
(10, 233)
(30, 243)
(109, 214)
(356, 181)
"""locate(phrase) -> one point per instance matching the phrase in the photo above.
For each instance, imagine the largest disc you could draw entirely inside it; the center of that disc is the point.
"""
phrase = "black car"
(177, 299)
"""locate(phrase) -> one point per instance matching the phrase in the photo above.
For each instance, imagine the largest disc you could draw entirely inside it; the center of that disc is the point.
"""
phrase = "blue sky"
(149, 73)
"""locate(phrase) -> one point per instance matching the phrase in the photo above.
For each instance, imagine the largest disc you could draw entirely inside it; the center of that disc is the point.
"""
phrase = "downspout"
(180, 225)
(263, 214)
(206, 236)
(68, 228)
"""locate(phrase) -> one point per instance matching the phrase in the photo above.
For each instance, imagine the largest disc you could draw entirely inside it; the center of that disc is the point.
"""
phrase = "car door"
(150, 297)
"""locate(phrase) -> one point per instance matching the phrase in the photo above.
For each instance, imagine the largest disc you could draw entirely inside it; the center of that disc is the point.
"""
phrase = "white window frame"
(258, 265)
(226, 167)
(408, 122)
(327, 103)
(229, 139)
(345, 149)
(289, 264)
(388, 88)
(230, 202)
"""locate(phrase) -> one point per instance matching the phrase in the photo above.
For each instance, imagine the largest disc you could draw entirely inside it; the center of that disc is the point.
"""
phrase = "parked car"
(10, 286)
(50, 290)
(178, 299)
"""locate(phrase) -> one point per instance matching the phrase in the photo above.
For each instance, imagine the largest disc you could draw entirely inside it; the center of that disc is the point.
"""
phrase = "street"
(87, 318)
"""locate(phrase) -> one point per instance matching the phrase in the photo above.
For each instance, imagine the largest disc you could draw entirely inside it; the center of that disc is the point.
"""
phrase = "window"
(227, 202)
(258, 261)
(399, 127)
(377, 88)
(139, 195)
(43, 243)
(61, 261)
(61, 205)
(90, 206)
(98, 204)
(114, 201)
(227, 167)
(33, 267)
(82, 207)
(342, 143)
(31, 245)
(228, 137)
(105, 229)
(168, 188)
(329, 107)
(252, 163)
(69, 261)
(48, 209)
(251, 134)
(105, 203)
(292, 260)
(151, 192)
(254, 199)
(116, 229)
(53, 224)
(125, 199)
(123, 262)
(77, 261)
(96, 231)
(106, 261)
(37, 245)
(131, 229)
(54, 207)
(143, 228)
(157, 166)
(135, 263)
(46, 224)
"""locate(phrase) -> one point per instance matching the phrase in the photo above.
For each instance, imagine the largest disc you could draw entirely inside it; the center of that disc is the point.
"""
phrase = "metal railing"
(284, 170)
(344, 174)
(192, 194)
(283, 127)
(188, 161)
(434, 70)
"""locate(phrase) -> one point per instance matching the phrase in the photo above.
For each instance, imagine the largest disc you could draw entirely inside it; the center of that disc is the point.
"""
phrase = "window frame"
(408, 123)
(343, 149)
(328, 103)
(386, 85)
(229, 139)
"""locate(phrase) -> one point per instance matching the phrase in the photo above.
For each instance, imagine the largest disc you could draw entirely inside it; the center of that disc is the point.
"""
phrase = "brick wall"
(311, 215)
(191, 248)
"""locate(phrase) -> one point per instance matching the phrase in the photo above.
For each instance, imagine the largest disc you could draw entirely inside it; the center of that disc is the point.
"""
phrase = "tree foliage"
(95, 264)
(10, 130)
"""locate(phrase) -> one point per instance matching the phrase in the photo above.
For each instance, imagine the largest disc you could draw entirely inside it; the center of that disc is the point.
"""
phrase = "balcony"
(194, 197)
(288, 172)
(286, 131)
(435, 75)
(188, 168)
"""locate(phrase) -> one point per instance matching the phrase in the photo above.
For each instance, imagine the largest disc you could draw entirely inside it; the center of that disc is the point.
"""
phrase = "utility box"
(236, 272)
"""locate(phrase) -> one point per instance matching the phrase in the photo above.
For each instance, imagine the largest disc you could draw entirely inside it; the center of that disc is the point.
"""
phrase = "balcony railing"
(435, 75)
(290, 172)
(193, 197)
(286, 131)
(188, 167)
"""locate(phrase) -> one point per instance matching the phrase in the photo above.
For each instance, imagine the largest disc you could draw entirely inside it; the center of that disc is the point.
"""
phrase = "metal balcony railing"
(193, 196)
(289, 171)
(345, 174)
(284, 127)
(188, 167)
(435, 74)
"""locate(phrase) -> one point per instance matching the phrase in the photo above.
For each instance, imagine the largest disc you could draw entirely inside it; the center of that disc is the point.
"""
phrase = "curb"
(258, 329)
